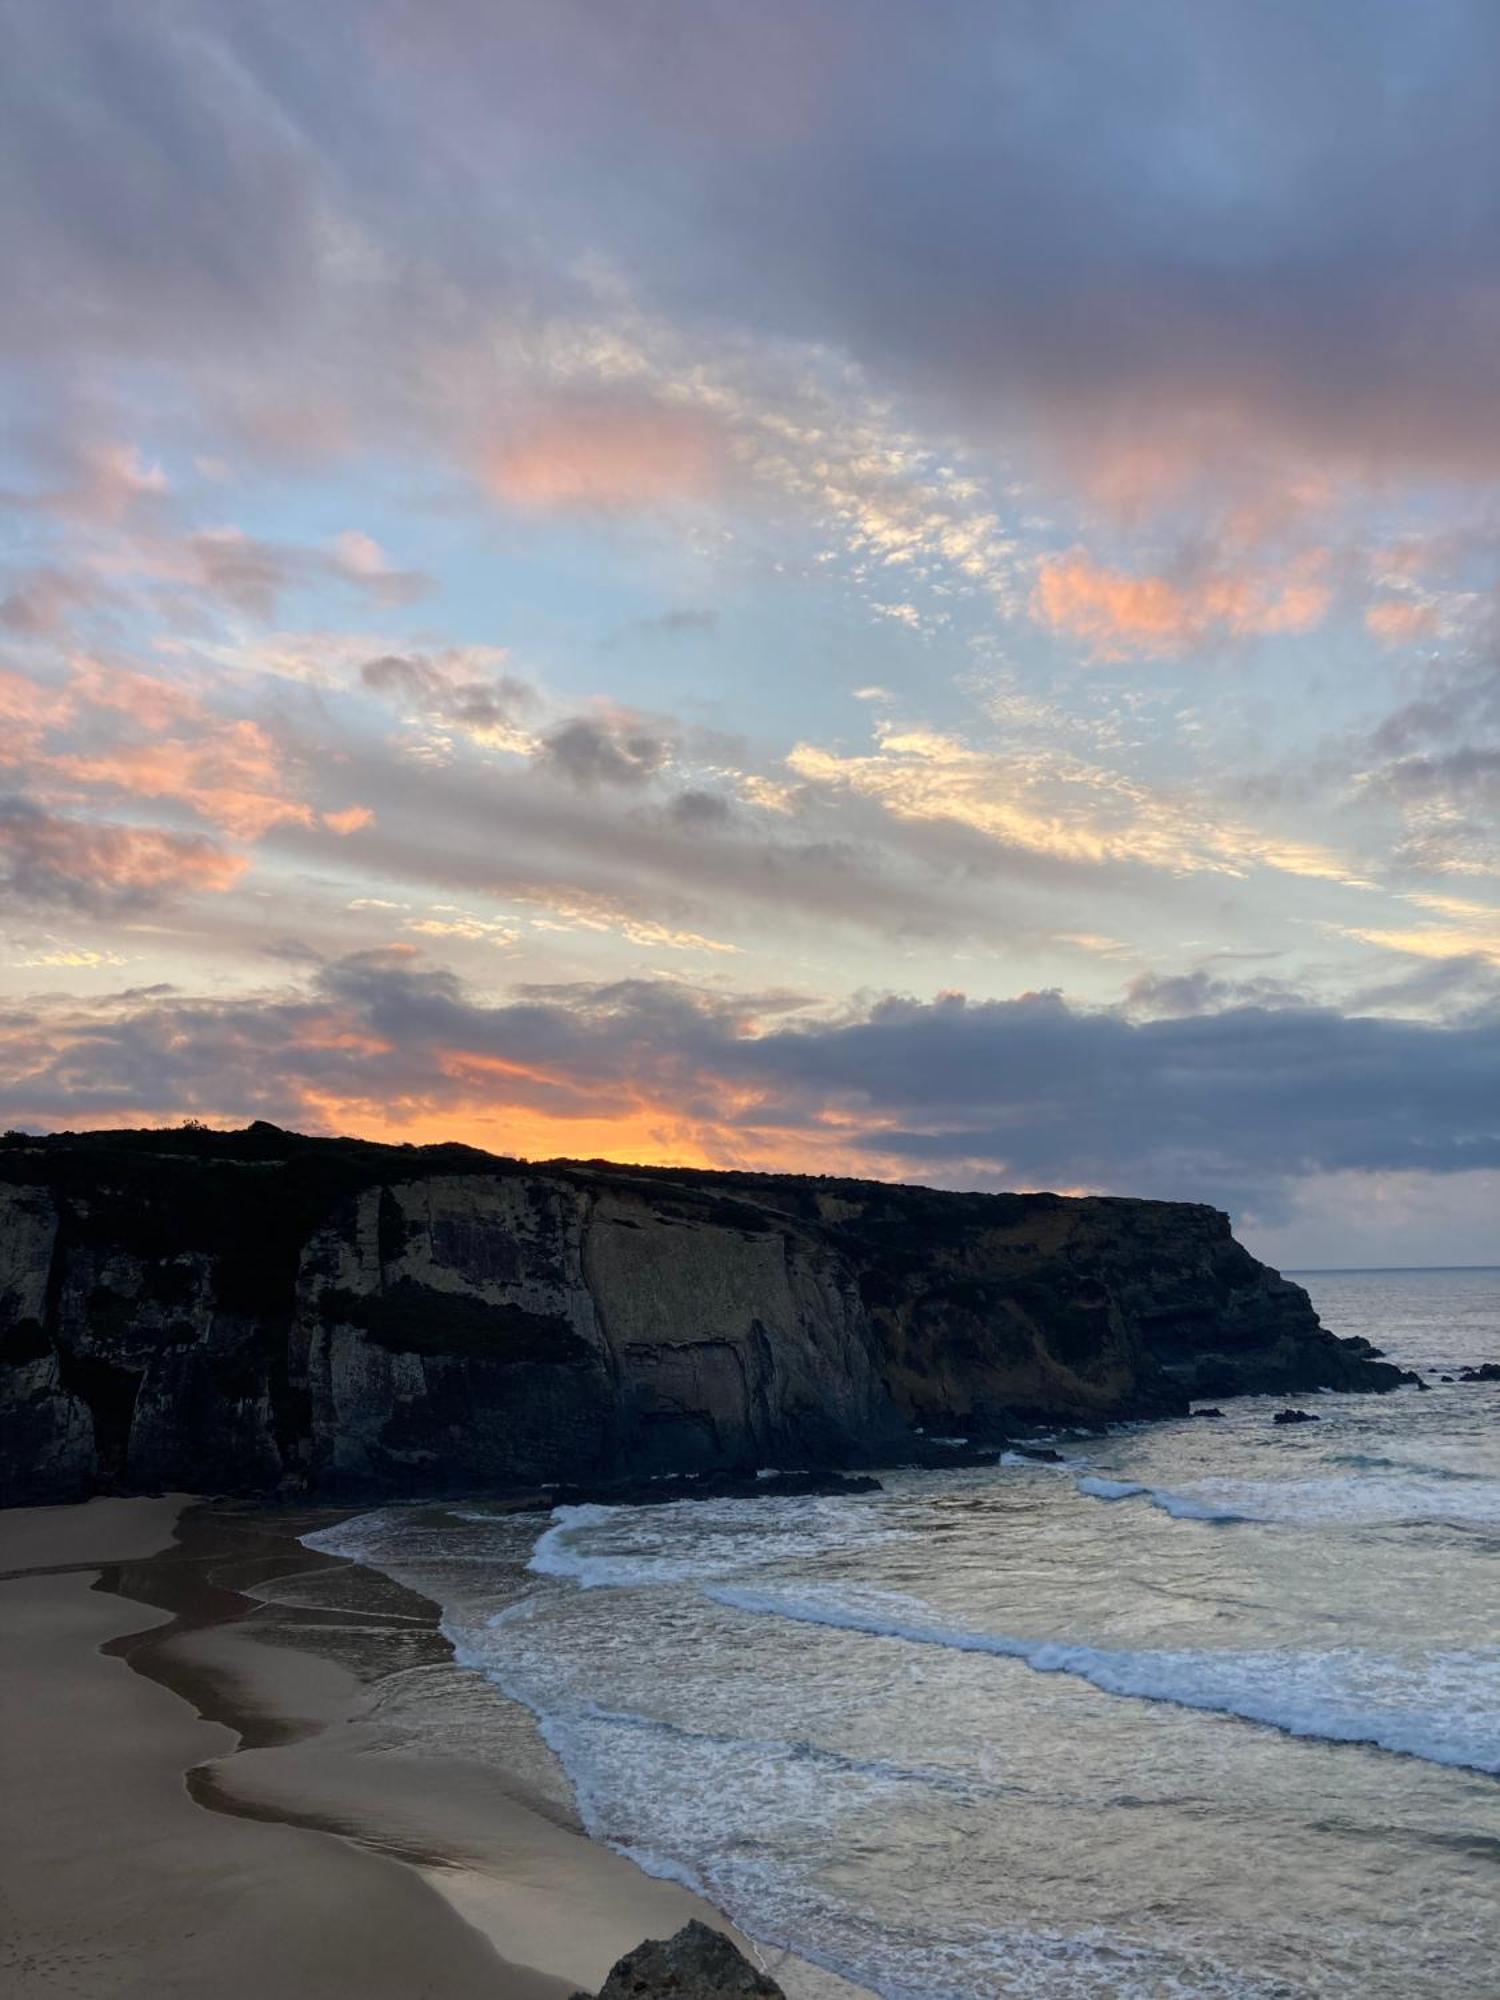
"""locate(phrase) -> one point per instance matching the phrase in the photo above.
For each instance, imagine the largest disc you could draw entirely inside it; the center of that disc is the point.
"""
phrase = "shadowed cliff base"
(268, 1314)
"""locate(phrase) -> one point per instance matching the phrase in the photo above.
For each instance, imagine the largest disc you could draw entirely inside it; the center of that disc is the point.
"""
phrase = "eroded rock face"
(696, 1964)
(260, 1313)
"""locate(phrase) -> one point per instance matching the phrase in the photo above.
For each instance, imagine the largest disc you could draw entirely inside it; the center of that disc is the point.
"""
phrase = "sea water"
(1210, 1709)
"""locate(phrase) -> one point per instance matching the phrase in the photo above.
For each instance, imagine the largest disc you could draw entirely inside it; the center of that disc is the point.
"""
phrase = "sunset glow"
(849, 590)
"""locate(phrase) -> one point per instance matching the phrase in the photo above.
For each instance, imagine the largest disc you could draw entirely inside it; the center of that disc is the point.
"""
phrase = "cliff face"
(256, 1312)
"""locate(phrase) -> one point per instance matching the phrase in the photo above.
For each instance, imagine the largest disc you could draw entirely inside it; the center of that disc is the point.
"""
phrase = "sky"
(857, 588)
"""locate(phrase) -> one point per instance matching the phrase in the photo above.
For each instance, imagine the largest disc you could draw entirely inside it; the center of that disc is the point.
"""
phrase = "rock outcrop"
(262, 1313)
(696, 1964)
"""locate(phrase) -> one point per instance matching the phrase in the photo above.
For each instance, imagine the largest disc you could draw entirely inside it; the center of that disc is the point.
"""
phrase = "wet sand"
(220, 1774)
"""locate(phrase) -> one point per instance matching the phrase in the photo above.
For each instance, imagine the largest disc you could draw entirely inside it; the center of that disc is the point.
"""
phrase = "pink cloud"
(151, 740)
(1118, 613)
(351, 820)
(594, 454)
(1397, 621)
(101, 865)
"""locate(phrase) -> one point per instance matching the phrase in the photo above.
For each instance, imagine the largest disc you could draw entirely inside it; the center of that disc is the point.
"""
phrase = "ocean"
(1210, 1709)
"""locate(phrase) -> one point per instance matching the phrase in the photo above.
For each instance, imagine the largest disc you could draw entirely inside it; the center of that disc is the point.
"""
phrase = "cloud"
(683, 622)
(699, 811)
(112, 732)
(1055, 805)
(252, 575)
(1197, 233)
(594, 454)
(102, 867)
(588, 753)
(1400, 621)
(454, 687)
(1154, 996)
(1234, 1105)
(44, 600)
(1117, 613)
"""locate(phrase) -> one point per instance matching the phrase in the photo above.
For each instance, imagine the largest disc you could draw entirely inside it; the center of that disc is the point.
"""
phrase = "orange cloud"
(166, 745)
(27, 712)
(90, 863)
(350, 820)
(1118, 613)
(1396, 621)
(597, 455)
(231, 776)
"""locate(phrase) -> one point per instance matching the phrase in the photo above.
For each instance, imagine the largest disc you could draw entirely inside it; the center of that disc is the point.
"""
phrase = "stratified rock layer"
(261, 1313)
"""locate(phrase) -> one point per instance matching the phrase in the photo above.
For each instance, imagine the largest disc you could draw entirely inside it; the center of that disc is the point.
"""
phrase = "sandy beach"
(221, 1775)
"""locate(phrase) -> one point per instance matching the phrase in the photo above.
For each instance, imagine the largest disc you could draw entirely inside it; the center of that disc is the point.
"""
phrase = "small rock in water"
(1209, 1412)
(1445, 1378)
(696, 1964)
(1295, 1417)
(1487, 1371)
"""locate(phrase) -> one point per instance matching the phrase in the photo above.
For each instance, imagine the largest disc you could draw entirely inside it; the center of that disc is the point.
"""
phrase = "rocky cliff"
(259, 1312)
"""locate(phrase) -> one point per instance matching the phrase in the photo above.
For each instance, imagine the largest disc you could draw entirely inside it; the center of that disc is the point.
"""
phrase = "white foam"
(1343, 1696)
(688, 1541)
(1110, 1489)
(654, 1792)
(1438, 1496)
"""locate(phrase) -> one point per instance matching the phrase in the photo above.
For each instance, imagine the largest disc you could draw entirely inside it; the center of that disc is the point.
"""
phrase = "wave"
(1435, 1496)
(653, 1788)
(1341, 1696)
(686, 1541)
(1368, 1461)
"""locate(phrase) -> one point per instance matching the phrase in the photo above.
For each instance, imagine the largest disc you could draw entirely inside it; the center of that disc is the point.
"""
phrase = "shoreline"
(243, 1726)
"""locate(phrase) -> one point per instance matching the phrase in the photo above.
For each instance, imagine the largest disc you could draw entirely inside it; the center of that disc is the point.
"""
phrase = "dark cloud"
(1178, 225)
(699, 811)
(444, 686)
(1234, 1106)
(1166, 996)
(589, 753)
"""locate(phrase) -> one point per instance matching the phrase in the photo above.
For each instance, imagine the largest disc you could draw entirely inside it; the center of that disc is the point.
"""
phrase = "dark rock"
(1445, 1378)
(1042, 1453)
(1487, 1371)
(1295, 1417)
(696, 1964)
(260, 1313)
(1211, 1411)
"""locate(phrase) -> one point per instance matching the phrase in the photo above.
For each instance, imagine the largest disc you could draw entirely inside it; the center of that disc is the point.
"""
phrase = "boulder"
(696, 1964)
(1295, 1417)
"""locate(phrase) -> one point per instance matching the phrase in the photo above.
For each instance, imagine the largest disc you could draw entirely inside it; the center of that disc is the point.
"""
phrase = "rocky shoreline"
(285, 1317)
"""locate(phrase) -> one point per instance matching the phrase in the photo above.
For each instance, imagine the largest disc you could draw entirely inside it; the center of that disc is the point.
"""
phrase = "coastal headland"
(260, 1313)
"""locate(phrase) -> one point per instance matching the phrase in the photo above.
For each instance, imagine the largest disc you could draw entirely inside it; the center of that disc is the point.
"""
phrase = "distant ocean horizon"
(1211, 1709)
(1375, 1270)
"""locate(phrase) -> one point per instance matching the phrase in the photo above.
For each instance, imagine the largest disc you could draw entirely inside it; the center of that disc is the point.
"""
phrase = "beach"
(1130, 1721)
(1197, 1707)
(203, 1791)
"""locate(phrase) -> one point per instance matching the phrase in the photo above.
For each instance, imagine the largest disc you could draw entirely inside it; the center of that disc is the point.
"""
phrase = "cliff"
(259, 1312)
